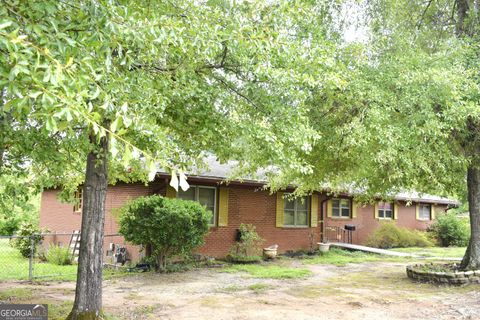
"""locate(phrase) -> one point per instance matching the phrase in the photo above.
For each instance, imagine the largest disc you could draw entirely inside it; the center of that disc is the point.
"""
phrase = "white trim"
(384, 215)
(340, 216)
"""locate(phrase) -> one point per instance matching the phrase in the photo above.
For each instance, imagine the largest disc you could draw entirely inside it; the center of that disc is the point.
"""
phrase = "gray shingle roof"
(216, 170)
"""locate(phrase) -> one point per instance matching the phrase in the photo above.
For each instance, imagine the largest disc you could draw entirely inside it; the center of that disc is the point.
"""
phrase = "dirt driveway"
(378, 290)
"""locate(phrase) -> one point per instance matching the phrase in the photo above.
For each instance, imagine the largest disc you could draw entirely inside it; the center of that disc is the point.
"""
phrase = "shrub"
(450, 230)
(9, 225)
(248, 249)
(170, 226)
(58, 255)
(391, 236)
(26, 233)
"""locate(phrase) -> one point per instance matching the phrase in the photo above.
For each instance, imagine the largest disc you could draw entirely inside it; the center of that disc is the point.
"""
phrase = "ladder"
(75, 244)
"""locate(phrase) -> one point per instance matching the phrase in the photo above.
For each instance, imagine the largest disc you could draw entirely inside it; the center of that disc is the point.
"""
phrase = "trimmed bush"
(389, 235)
(58, 255)
(170, 226)
(248, 249)
(451, 230)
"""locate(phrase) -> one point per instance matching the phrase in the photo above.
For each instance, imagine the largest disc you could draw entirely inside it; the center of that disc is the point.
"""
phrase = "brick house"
(292, 224)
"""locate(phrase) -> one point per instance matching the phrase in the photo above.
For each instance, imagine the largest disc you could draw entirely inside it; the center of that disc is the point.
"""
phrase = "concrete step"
(370, 249)
(388, 252)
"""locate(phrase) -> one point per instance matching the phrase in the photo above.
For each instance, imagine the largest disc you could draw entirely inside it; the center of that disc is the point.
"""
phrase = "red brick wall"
(366, 223)
(246, 205)
(59, 217)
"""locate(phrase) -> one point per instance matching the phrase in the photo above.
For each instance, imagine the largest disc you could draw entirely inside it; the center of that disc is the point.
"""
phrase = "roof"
(222, 171)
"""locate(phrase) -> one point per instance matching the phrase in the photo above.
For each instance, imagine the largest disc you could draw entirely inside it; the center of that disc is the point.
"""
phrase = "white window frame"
(295, 212)
(340, 216)
(197, 187)
(420, 217)
(382, 210)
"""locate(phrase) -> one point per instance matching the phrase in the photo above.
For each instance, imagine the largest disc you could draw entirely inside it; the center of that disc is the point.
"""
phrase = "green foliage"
(58, 255)
(389, 235)
(19, 203)
(170, 226)
(27, 233)
(270, 271)
(461, 209)
(451, 230)
(248, 249)
(143, 74)
(15, 266)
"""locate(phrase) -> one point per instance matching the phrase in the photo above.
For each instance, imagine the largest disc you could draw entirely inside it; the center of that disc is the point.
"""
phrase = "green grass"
(57, 310)
(269, 271)
(259, 287)
(442, 252)
(255, 288)
(15, 267)
(341, 257)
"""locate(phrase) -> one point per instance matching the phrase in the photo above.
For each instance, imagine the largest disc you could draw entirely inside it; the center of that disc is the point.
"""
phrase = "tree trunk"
(471, 260)
(161, 262)
(462, 12)
(88, 293)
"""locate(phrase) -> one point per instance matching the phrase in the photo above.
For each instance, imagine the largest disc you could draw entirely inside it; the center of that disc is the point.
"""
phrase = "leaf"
(47, 75)
(126, 156)
(51, 125)
(113, 147)
(127, 121)
(5, 24)
(69, 62)
(96, 93)
(124, 107)
(35, 94)
(114, 125)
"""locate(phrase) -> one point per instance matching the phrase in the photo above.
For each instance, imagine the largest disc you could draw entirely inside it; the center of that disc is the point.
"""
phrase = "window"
(77, 207)
(341, 208)
(296, 212)
(207, 196)
(424, 211)
(385, 210)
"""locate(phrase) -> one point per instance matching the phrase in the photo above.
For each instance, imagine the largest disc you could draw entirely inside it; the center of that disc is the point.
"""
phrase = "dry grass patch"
(392, 282)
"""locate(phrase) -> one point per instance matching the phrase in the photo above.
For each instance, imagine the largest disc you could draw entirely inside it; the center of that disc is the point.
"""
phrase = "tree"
(113, 85)
(443, 35)
(170, 226)
(18, 190)
(407, 116)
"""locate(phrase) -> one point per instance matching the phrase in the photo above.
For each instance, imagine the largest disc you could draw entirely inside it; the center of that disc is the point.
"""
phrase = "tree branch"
(419, 23)
(237, 92)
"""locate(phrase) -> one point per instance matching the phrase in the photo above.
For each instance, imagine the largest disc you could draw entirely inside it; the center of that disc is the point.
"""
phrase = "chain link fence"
(55, 255)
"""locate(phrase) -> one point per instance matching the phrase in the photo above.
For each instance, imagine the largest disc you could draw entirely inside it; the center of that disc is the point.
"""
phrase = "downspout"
(323, 220)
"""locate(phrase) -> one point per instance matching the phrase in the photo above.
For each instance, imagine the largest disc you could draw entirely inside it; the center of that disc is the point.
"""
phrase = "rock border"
(415, 273)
